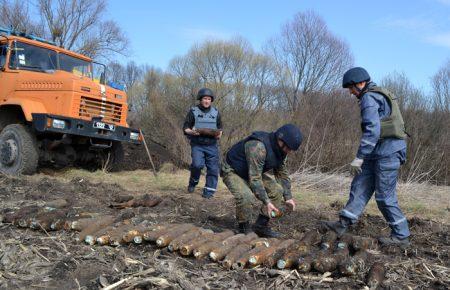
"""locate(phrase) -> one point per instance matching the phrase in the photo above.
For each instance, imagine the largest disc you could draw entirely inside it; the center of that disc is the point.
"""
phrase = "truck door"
(3, 50)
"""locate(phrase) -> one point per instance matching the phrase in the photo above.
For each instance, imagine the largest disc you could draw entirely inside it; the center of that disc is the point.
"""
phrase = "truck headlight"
(134, 136)
(58, 124)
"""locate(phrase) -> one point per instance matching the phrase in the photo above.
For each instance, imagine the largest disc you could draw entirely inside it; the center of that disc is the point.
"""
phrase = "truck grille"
(109, 111)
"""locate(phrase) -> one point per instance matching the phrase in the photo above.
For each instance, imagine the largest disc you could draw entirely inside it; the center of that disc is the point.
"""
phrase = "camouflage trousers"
(245, 198)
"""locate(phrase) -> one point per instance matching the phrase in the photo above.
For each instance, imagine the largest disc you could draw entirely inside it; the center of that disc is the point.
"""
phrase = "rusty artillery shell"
(57, 203)
(376, 275)
(229, 244)
(364, 243)
(261, 242)
(131, 235)
(272, 260)
(344, 241)
(304, 264)
(243, 259)
(352, 265)
(97, 224)
(58, 224)
(116, 236)
(311, 238)
(329, 262)
(266, 255)
(328, 240)
(22, 213)
(152, 235)
(103, 236)
(235, 254)
(99, 235)
(203, 250)
(164, 240)
(289, 260)
(184, 238)
(44, 220)
(188, 248)
(78, 224)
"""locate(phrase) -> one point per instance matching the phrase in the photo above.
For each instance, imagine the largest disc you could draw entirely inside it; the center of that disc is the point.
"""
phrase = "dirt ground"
(55, 260)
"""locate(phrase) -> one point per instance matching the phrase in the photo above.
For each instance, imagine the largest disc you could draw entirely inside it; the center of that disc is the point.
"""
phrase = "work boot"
(244, 228)
(394, 241)
(191, 188)
(207, 193)
(262, 229)
(339, 227)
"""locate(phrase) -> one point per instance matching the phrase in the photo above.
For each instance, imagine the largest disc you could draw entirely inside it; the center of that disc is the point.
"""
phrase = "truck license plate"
(104, 126)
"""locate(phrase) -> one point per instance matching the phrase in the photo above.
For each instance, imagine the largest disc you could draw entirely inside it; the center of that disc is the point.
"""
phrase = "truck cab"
(57, 108)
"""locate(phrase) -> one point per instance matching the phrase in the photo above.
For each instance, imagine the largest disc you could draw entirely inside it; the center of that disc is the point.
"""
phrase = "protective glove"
(355, 166)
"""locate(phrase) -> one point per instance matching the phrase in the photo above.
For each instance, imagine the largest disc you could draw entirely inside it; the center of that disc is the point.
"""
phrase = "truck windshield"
(74, 65)
(30, 57)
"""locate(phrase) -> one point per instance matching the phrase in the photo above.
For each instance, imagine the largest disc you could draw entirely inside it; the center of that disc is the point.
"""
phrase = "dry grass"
(310, 189)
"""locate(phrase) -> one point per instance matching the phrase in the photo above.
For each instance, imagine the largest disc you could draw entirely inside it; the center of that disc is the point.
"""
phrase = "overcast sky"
(384, 36)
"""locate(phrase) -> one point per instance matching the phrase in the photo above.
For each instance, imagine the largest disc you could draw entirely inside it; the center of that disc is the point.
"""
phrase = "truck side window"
(3, 50)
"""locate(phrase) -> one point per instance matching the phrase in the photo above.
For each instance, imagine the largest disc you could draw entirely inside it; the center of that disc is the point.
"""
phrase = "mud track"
(55, 260)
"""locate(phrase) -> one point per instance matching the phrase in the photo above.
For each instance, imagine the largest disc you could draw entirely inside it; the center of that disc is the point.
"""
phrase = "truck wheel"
(18, 150)
(116, 157)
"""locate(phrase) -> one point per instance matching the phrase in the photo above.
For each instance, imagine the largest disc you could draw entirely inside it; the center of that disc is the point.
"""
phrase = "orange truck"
(56, 108)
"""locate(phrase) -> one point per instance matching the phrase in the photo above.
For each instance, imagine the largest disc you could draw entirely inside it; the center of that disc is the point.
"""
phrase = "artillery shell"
(278, 254)
(235, 254)
(311, 237)
(354, 264)
(95, 226)
(364, 243)
(344, 241)
(376, 275)
(57, 203)
(153, 234)
(187, 250)
(129, 236)
(304, 264)
(79, 225)
(184, 238)
(243, 259)
(274, 250)
(203, 250)
(220, 253)
(21, 214)
(164, 240)
(100, 237)
(289, 260)
(328, 240)
(45, 219)
(116, 235)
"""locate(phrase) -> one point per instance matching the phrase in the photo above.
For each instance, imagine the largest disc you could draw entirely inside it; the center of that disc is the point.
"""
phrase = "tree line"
(294, 78)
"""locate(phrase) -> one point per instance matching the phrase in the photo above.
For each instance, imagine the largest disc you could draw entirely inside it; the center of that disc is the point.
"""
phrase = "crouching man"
(245, 169)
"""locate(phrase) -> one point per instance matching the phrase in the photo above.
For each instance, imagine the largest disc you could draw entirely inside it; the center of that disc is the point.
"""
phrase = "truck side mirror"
(102, 78)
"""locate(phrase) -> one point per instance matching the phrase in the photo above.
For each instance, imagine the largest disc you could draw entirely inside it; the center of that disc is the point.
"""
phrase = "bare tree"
(78, 25)
(441, 87)
(16, 15)
(309, 57)
(408, 95)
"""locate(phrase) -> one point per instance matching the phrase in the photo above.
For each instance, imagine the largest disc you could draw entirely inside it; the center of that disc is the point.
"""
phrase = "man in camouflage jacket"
(245, 170)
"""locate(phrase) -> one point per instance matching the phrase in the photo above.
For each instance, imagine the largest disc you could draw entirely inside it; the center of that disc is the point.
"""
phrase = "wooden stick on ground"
(148, 153)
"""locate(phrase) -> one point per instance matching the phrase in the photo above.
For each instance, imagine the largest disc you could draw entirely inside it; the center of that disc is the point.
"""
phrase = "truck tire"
(19, 153)
(116, 157)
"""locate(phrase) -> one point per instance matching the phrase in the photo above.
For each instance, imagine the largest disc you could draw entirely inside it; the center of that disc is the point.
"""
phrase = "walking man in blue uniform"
(381, 151)
(203, 126)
